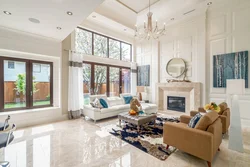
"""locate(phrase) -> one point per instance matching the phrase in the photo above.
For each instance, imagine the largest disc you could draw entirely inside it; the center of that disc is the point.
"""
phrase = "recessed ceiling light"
(69, 13)
(94, 16)
(6, 12)
(172, 18)
(125, 29)
(59, 28)
(33, 20)
(209, 3)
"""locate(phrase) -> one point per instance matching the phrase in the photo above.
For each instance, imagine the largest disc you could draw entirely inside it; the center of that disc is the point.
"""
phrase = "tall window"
(104, 79)
(92, 43)
(25, 86)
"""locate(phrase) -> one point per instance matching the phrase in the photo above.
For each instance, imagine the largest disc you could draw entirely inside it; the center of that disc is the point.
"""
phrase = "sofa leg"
(219, 149)
(167, 147)
(208, 164)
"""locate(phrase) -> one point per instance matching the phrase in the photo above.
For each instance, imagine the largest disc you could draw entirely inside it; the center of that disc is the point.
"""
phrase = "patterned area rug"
(150, 138)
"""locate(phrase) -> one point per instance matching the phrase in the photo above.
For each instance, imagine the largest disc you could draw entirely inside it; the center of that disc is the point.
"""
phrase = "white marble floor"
(77, 143)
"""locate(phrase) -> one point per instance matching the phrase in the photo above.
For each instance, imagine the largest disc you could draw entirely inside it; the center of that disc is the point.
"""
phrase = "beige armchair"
(203, 141)
(224, 115)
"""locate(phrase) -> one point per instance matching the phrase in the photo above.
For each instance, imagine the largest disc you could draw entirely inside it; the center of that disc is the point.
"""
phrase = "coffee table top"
(135, 119)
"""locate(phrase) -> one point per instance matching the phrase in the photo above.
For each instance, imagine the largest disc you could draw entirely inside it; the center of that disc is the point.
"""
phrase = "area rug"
(150, 138)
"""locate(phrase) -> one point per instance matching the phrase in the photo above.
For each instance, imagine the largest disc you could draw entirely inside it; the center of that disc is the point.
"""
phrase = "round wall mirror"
(176, 67)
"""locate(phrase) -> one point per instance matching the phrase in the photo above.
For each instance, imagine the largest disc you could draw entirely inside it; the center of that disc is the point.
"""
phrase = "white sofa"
(116, 105)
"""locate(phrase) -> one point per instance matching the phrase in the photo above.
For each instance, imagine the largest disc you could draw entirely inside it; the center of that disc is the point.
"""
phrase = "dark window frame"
(108, 38)
(29, 83)
(107, 78)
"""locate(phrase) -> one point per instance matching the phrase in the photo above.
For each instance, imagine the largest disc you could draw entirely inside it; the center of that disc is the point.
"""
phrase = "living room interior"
(124, 83)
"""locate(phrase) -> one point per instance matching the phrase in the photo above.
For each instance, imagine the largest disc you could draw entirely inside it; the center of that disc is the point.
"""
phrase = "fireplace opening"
(176, 103)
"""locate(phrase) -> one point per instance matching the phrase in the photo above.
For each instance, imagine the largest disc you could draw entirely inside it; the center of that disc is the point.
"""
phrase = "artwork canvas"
(230, 66)
(143, 75)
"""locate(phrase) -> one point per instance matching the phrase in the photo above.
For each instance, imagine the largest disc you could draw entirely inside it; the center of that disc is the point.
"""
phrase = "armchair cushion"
(185, 119)
(206, 120)
(194, 120)
(223, 107)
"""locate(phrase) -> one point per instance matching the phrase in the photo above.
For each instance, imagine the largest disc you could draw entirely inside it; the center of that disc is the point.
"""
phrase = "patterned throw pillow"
(96, 103)
(103, 103)
(194, 120)
(127, 99)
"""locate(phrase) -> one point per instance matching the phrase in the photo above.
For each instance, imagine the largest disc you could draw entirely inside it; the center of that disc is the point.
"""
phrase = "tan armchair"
(202, 141)
(224, 115)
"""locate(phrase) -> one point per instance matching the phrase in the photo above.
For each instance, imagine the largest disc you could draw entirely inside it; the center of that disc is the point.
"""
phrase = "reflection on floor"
(80, 143)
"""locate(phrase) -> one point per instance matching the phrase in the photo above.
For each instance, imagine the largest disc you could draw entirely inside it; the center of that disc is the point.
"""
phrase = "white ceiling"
(51, 13)
(137, 6)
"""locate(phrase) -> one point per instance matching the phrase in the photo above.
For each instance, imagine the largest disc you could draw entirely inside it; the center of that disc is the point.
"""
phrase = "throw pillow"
(127, 99)
(103, 103)
(96, 103)
(194, 120)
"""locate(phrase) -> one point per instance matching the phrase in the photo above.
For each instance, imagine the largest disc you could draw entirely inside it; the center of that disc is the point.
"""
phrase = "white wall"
(184, 40)
(228, 26)
(23, 45)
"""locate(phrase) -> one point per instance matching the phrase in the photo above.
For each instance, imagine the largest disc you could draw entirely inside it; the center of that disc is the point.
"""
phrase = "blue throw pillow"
(194, 120)
(127, 99)
(104, 103)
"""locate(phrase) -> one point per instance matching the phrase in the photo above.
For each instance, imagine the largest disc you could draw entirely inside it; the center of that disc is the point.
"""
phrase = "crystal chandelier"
(148, 31)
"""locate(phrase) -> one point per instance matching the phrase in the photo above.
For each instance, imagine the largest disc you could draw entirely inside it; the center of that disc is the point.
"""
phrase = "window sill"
(28, 111)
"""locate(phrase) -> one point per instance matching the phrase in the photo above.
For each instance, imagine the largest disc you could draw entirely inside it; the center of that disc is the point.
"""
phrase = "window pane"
(114, 77)
(126, 81)
(126, 52)
(100, 46)
(114, 49)
(14, 84)
(41, 85)
(86, 83)
(100, 80)
(83, 41)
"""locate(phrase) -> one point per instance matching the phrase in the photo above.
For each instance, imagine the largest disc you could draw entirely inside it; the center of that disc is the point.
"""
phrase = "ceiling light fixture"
(172, 18)
(148, 31)
(209, 3)
(59, 28)
(33, 20)
(125, 29)
(94, 16)
(6, 12)
(69, 13)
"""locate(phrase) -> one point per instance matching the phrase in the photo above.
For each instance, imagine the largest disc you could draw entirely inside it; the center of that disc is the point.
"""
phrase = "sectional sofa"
(116, 105)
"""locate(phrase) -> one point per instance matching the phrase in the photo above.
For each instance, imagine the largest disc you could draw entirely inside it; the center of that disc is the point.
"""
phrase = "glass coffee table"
(136, 120)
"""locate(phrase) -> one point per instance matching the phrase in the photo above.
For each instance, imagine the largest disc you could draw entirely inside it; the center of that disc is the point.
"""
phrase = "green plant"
(48, 97)
(21, 84)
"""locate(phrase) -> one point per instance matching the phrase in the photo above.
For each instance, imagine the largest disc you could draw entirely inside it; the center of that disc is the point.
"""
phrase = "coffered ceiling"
(137, 6)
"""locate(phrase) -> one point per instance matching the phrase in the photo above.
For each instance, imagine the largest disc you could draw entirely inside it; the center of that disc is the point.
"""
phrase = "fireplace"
(176, 103)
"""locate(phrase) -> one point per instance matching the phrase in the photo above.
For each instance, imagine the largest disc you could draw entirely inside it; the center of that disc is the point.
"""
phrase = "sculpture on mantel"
(176, 67)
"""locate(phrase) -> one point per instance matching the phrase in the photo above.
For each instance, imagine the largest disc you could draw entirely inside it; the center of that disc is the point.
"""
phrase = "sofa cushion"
(114, 101)
(123, 107)
(206, 120)
(127, 99)
(103, 103)
(223, 106)
(194, 120)
(124, 94)
(89, 107)
(107, 110)
(96, 103)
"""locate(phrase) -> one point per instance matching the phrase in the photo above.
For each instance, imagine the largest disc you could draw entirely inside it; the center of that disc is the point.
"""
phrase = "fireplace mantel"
(190, 90)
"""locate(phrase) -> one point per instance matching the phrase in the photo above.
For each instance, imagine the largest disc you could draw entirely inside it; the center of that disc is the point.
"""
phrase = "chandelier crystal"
(148, 31)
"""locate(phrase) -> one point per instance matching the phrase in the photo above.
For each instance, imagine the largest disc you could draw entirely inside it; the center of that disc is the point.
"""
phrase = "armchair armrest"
(192, 141)
(185, 119)
(193, 113)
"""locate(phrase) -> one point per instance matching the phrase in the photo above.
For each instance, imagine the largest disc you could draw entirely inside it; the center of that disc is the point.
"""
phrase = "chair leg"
(219, 149)
(208, 164)
(167, 147)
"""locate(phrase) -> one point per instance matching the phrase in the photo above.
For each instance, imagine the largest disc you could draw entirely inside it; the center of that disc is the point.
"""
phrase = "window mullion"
(1, 85)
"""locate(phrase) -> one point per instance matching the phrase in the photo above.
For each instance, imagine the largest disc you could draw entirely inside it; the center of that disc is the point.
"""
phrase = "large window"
(92, 43)
(28, 85)
(104, 79)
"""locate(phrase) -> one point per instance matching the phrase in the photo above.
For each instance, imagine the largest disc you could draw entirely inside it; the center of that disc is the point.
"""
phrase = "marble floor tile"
(80, 143)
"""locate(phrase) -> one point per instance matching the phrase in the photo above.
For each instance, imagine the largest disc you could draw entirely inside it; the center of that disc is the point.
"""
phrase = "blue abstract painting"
(230, 66)
(143, 75)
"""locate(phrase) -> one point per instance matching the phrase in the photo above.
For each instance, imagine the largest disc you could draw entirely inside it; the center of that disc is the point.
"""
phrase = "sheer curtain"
(75, 91)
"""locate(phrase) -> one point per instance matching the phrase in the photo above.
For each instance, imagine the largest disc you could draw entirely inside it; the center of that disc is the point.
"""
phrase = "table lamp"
(234, 88)
(140, 89)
